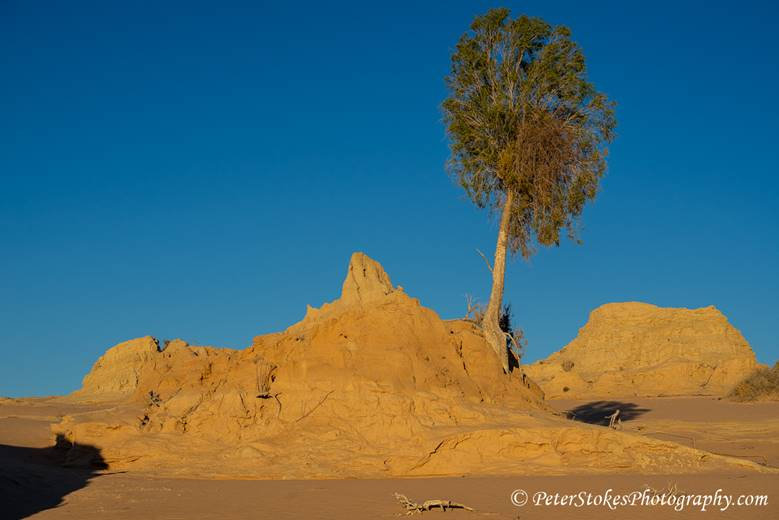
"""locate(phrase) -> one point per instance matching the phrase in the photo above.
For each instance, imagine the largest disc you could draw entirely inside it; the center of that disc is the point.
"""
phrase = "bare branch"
(427, 505)
(474, 311)
(485, 260)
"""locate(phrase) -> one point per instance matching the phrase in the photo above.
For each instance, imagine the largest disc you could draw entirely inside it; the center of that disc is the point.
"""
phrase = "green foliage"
(763, 383)
(521, 117)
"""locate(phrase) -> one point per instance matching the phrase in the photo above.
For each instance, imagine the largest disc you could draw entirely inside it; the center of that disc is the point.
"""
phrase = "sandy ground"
(33, 482)
(745, 430)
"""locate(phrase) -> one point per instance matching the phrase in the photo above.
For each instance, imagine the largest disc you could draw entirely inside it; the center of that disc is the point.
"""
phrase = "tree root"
(427, 505)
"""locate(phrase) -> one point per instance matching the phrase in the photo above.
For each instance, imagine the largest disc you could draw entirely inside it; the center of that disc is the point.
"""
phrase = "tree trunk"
(491, 321)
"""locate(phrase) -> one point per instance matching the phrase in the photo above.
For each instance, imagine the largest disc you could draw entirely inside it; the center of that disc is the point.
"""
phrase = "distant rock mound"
(638, 349)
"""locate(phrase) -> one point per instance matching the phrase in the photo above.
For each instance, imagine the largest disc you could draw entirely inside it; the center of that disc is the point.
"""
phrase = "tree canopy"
(526, 126)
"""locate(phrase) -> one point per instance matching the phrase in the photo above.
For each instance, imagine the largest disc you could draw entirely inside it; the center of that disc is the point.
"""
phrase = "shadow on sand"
(598, 412)
(34, 479)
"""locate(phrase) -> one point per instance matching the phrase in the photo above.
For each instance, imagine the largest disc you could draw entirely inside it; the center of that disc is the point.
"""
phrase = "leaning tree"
(528, 135)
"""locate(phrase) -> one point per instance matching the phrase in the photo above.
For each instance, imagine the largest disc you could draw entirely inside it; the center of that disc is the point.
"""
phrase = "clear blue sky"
(187, 170)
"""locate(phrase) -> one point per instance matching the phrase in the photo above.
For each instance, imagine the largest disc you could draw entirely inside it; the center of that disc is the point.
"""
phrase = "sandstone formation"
(637, 349)
(370, 385)
(116, 373)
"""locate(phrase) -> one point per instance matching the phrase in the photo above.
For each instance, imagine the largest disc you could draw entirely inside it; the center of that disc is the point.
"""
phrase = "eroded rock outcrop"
(372, 373)
(117, 372)
(638, 349)
(372, 384)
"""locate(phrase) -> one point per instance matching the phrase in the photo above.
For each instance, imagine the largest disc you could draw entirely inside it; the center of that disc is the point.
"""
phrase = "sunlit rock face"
(638, 349)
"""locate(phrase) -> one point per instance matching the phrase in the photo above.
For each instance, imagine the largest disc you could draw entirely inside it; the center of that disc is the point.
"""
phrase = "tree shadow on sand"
(35, 479)
(598, 412)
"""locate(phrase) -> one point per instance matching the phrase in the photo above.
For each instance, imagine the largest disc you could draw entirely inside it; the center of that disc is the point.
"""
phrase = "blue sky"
(204, 171)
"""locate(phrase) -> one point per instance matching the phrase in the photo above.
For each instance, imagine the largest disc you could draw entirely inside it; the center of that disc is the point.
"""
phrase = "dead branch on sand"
(615, 422)
(427, 505)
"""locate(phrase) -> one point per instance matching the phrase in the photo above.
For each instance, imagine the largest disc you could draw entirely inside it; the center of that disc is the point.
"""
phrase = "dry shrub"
(763, 383)
(265, 378)
(475, 310)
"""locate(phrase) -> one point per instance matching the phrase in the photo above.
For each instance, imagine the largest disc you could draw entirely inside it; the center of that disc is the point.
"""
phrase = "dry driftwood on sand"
(427, 505)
